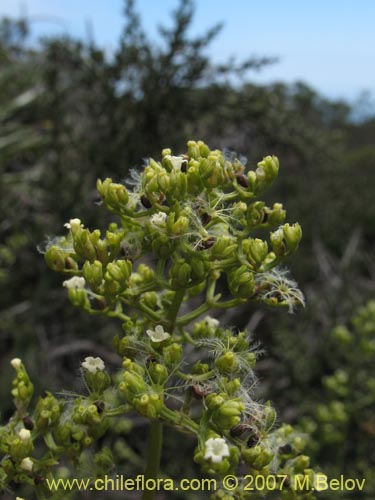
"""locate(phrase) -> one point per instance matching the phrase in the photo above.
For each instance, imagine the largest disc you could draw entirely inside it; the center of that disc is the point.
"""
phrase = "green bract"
(190, 221)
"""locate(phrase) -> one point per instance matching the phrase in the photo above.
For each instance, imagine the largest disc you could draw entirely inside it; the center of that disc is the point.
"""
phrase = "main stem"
(154, 454)
(156, 426)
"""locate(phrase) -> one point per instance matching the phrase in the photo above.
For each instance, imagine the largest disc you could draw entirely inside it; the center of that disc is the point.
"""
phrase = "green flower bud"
(150, 299)
(98, 381)
(223, 248)
(298, 444)
(258, 456)
(22, 387)
(181, 226)
(181, 184)
(104, 460)
(79, 298)
(119, 270)
(93, 274)
(158, 373)
(255, 214)
(18, 448)
(204, 150)
(274, 216)
(172, 354)
(166, 152)
(205, 328)
(132, 384)
(199, 269)
(114, 239)
(267, 170)
(200, 368)
(194, 180)
(55, 258)
(114, 196)
(211, 171)
(241, 282)
(228, 414)
(92, 415)
(84, 246)
(163, 246)
(117, 275)
(301, 463)
(256, 251)
(277, 240)
(269, 416)
(193, 150)
(292, 235)
(125, 347)
(149, 405)
(47, 411)
(102, 251)
(146, 272)
(227, 363)
(180, 274)
(214, 401)
(231, 386)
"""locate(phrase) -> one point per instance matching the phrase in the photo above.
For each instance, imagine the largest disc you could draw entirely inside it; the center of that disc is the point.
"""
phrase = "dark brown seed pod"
(198, 391)
(39, 479)
(205, 218)
(237, 430)
(70, 263)
(184, 166)
(242, 180)
(151, 359)
(252, 440)
(145, 201)
(286, 449)
(205, 244)
(28, 423)
(101, 303)
(100, 406)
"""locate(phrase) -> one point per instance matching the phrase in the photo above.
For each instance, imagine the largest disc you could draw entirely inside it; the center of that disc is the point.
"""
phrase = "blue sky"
(330, 44)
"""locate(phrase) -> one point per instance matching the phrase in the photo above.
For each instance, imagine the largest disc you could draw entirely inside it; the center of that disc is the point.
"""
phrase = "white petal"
(24, 434)
(16, 363)
(77, 283)
(27, 464)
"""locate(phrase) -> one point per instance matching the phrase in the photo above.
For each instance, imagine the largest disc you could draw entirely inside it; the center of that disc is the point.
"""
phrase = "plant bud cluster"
(190, 221)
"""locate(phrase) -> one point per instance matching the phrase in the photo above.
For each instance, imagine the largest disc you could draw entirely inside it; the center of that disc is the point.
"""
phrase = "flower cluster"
(190, 221)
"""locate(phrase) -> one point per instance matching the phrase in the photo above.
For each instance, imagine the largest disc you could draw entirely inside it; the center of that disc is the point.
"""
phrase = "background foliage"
(70, 113)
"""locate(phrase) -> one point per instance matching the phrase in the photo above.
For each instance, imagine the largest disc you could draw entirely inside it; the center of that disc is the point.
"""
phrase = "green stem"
(154, 454)
(187, 318)
(175, 307)
(229, 303)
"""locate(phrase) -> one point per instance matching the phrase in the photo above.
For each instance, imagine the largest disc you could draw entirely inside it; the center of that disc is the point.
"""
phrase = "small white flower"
(73, 224)
(19, 498)
(16, 363)
(158, 219)
(176, 161)
(24, 434)
(211, 322)
(27, 464)
(77, 283)
(93, 365)
(158, 335)
(216, 449)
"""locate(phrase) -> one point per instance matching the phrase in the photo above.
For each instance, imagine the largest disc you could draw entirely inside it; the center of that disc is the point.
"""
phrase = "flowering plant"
(182, 245)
